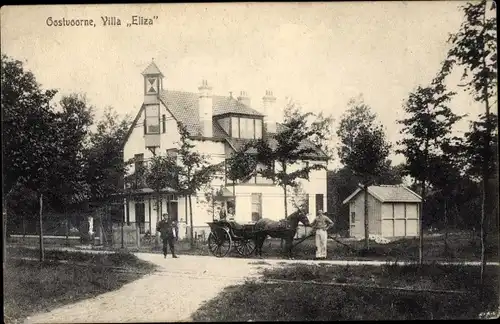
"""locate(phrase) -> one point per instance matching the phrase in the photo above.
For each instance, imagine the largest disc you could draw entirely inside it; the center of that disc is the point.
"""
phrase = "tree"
(472, 151)
(429, 123)
(241, 165)
(160, 175)
(474, 48)
(104, 166)
(321, 126)
(444, 176)
(30, 138)
(284, 155)
(364, 149)
(68, 182)
(191, 170)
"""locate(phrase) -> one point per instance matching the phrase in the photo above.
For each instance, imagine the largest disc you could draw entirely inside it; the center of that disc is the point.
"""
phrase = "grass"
(31, 287)
(298, 301)
(116, 259)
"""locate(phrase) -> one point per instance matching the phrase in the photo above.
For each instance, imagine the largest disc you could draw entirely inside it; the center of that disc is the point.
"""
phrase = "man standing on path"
(320, 225)
(169, 231)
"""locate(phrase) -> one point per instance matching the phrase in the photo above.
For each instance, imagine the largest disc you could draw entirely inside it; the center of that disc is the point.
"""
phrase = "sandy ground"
(171, 294)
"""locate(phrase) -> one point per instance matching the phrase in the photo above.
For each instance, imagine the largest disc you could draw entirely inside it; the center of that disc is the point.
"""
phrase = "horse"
(284, 229)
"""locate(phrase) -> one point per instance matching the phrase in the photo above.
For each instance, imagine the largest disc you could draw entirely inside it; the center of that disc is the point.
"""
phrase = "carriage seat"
(235, 225)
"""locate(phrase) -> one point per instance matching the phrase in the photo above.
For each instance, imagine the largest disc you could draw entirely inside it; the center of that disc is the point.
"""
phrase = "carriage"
(225, 235)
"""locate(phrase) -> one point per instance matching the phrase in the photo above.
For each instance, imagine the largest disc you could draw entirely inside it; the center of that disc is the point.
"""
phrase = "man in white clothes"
(320, 225)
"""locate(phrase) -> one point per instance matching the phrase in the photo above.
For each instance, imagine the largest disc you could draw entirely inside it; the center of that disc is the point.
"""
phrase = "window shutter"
(164, 123)
(145, 127)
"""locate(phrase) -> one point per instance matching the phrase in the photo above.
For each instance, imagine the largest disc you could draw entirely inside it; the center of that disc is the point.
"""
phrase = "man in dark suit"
(169, 232)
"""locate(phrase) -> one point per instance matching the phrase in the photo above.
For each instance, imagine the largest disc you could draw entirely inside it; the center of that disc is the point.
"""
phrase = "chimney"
(268, 104)
(243, 98)
(205, 109)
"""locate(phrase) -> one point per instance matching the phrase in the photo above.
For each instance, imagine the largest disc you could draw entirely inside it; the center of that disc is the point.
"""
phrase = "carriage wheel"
(245, 247)
(219, 243)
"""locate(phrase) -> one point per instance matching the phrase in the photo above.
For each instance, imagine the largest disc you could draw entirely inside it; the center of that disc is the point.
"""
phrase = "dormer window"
(246, 127)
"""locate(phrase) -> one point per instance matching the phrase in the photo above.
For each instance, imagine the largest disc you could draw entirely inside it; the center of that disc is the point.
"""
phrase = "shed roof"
(388, 193)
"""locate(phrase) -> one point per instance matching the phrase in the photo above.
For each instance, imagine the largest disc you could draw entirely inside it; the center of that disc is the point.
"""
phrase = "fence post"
(138, 235)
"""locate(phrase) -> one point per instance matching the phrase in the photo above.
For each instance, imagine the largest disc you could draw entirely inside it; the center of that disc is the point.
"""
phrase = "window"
(140, 217)
(256, 206)
(249, 128)
(172, 152)
(235, 127)
(319, 203)
(152, 120)
(246, 128)
(258, 128)
(353, 217)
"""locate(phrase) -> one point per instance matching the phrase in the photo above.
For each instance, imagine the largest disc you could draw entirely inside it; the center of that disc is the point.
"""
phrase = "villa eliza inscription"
(104, 21)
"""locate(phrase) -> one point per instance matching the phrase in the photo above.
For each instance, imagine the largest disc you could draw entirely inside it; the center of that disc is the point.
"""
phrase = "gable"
(387, 194)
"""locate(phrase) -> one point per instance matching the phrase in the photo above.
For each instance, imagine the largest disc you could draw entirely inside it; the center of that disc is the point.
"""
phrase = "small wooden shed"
(393, 211)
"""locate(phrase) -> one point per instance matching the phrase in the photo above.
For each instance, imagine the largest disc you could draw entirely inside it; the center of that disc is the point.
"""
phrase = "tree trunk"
(123, 221)
(421, 226)
(24, 227)
(42, 254)
(445, 227)
(483, 231)
(158, 215)
(286, 209)
(67, 226)
(486, 157)
(282, 242)
(191, 229)
(366, 215)
(4, 214)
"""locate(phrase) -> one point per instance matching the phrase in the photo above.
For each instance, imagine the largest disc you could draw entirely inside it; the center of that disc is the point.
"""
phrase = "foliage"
(30, 139)
(474, 48)
(472, 148)
(427, 126)
(321, 125)
(193, 169)
(104, 167)
(161, 173)
(242, 164)
(363, 149)
(284, 155)
(69, 185)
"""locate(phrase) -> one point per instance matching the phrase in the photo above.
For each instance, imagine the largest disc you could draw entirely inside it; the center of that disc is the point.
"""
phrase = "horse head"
(299, 216)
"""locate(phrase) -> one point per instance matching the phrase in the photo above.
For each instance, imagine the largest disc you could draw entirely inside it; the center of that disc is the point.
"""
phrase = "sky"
(319, 54)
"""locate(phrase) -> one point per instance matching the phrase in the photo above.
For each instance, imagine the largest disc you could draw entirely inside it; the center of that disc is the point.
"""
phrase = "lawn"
(31, 287)
(295, 300)
(460, 249)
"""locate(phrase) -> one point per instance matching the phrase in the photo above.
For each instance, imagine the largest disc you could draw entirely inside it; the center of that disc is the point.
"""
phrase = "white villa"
(218, 126)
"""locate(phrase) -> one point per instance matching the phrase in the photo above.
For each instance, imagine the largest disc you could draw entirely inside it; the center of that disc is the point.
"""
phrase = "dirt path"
(171, 294)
